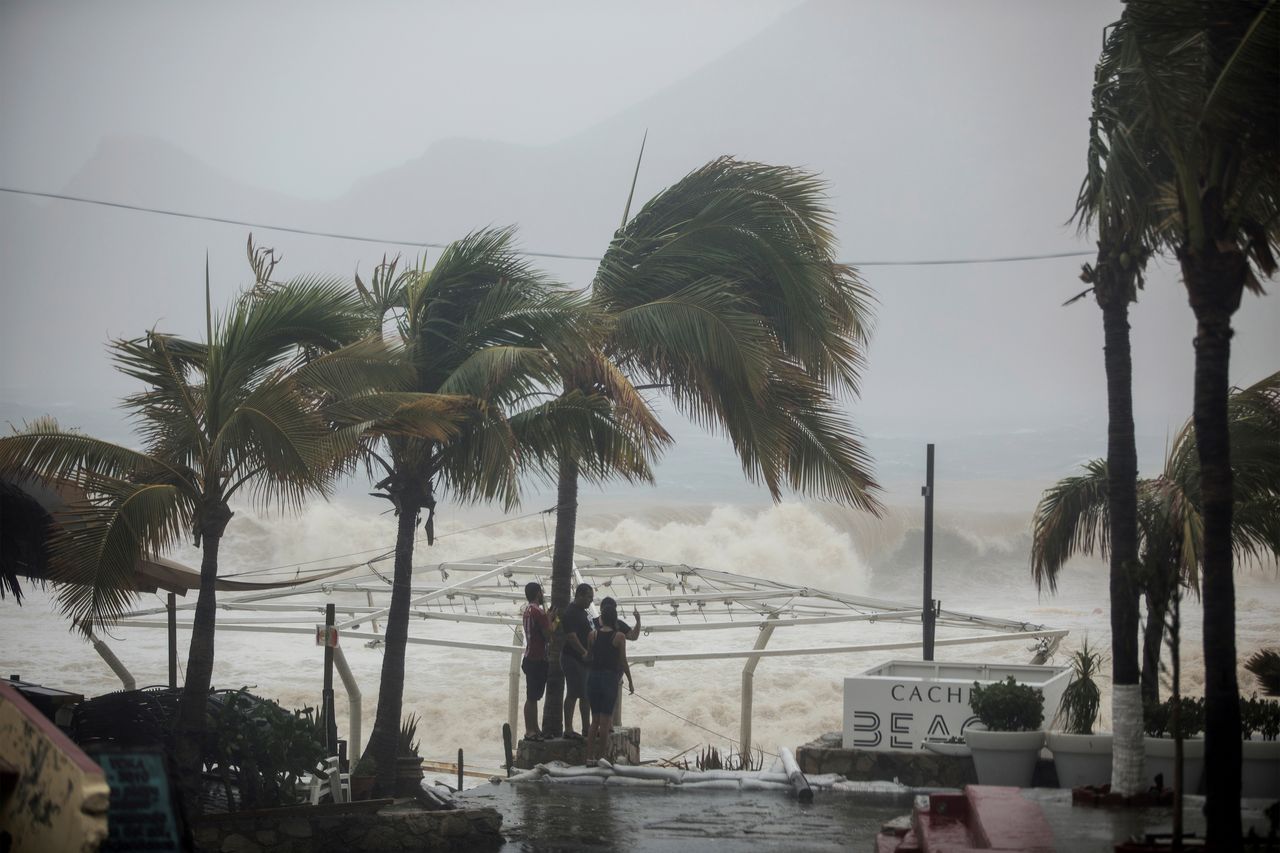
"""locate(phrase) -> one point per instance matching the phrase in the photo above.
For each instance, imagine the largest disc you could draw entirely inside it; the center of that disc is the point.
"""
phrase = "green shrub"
(1259, 716)
(1007, 706)
(1157, 720)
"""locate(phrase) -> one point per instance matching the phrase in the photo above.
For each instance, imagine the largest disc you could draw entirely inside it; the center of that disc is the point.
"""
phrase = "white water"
(981, 567)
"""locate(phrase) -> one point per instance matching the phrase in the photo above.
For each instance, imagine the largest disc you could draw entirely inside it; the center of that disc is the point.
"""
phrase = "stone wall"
(916, 769)
(624, 748)
(358, 827)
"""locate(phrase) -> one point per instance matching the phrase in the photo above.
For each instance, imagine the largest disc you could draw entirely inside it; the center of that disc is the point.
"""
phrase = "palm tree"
(1205, 76)
(236, 414)
(1073, 518)
(482, 325)
(723, 291)
(1117, 195)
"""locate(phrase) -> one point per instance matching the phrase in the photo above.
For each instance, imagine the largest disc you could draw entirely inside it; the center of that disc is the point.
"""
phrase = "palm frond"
(96, 545)
(1071, 518)
(45, 451)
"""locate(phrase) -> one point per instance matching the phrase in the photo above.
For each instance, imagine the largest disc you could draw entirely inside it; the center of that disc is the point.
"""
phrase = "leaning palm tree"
(1204, 76)
(240, 414)
(482, 325)
(723, 291)
(1072, 518)
(1117, 196)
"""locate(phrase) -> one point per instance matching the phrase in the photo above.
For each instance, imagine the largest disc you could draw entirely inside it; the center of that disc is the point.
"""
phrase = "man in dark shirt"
(576, 627)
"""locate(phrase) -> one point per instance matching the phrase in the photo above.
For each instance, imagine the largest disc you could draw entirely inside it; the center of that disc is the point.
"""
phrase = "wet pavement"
(574, 817)
(556, 816)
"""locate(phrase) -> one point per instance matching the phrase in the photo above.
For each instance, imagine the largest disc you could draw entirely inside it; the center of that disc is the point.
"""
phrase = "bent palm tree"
(723, 290)
(1204, 75)
(1072, 518)
(1117, 195)
(239, 412)
(481, 325)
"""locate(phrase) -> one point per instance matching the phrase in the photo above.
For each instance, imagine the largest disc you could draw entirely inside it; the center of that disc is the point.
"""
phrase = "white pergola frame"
(491, 591)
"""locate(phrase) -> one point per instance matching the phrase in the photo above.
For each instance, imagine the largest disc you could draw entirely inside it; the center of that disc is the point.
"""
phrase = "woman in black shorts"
(608, 648)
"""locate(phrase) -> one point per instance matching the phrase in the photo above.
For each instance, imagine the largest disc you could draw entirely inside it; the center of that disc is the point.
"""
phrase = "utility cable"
(696, 725)
(417, 244)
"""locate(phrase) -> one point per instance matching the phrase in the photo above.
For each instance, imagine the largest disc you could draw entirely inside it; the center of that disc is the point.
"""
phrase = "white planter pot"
(1160, 760)
(1005, 758)
(1260, 769)
(1081, 759)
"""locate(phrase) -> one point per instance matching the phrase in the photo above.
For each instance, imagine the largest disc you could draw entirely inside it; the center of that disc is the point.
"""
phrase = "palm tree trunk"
(1127, 777)
(1215, 281)
(1152, 640)
(386, 725)
(561, 583)
(193, 706)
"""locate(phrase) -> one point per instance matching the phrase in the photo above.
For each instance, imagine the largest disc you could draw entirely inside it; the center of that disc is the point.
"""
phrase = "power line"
(1002, 259)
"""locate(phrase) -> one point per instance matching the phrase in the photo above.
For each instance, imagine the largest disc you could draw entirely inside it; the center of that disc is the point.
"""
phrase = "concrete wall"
(624, 748)
(917, 769)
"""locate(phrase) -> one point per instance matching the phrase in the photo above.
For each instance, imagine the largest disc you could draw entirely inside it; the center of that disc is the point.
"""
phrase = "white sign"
(900, 704)
(331, 640)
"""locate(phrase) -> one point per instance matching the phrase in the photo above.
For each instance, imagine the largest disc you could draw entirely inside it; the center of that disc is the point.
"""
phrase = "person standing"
(537, 633)
(608, 644)
(575, 624)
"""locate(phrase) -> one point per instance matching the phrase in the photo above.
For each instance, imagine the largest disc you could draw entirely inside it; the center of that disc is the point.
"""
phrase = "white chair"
(334, 782)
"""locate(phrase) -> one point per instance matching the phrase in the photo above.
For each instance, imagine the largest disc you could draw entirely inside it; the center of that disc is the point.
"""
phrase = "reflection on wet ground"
(547, 817)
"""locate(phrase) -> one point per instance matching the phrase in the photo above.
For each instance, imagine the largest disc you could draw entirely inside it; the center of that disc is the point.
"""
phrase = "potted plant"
(1159, 743)
(1006, 748)
(408, 762)
(363, 775)
(1081, 756)
(1260, 752)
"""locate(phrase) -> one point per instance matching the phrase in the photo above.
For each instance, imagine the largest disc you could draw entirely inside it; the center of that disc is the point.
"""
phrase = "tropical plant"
(238, 414)
(408, 743)
(1007, 706)
(1072, 516)
(1125, 163)
(1082, 699)
(1203, 78)
(1264, 665)
(723, 292)
(484, 327)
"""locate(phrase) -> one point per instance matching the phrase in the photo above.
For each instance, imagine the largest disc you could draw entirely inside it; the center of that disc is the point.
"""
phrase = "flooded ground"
(552, 817)
(569, 817)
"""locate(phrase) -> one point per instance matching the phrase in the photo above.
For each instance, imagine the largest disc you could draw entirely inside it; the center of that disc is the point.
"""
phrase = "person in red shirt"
(537, 633)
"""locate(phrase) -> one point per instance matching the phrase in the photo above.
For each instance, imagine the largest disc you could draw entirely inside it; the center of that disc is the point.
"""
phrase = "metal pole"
(173, 641)
(121, 671)
(353, 701)
(748, 677)
(330, 719)
(513, 684)
(927, 618)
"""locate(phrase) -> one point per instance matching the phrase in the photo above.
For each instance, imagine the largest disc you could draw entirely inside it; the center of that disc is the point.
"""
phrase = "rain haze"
(944, 130)
(138, 139)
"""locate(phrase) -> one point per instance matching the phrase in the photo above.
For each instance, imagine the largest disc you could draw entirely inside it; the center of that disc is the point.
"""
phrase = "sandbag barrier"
(630, 776)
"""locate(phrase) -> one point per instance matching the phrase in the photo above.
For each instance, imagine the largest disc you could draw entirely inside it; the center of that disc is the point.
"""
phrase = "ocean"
(981, 561)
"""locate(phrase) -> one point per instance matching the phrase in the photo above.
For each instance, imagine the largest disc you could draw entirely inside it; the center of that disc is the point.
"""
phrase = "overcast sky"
(305, 97)
(944, 130)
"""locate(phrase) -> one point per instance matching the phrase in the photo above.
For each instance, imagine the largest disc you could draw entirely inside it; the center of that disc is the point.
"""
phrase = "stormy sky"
(945, 131)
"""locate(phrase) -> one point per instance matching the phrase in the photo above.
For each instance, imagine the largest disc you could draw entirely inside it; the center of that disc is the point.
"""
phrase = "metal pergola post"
(122, 672)
(748, 676)
(513, 684)
(353, 702)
